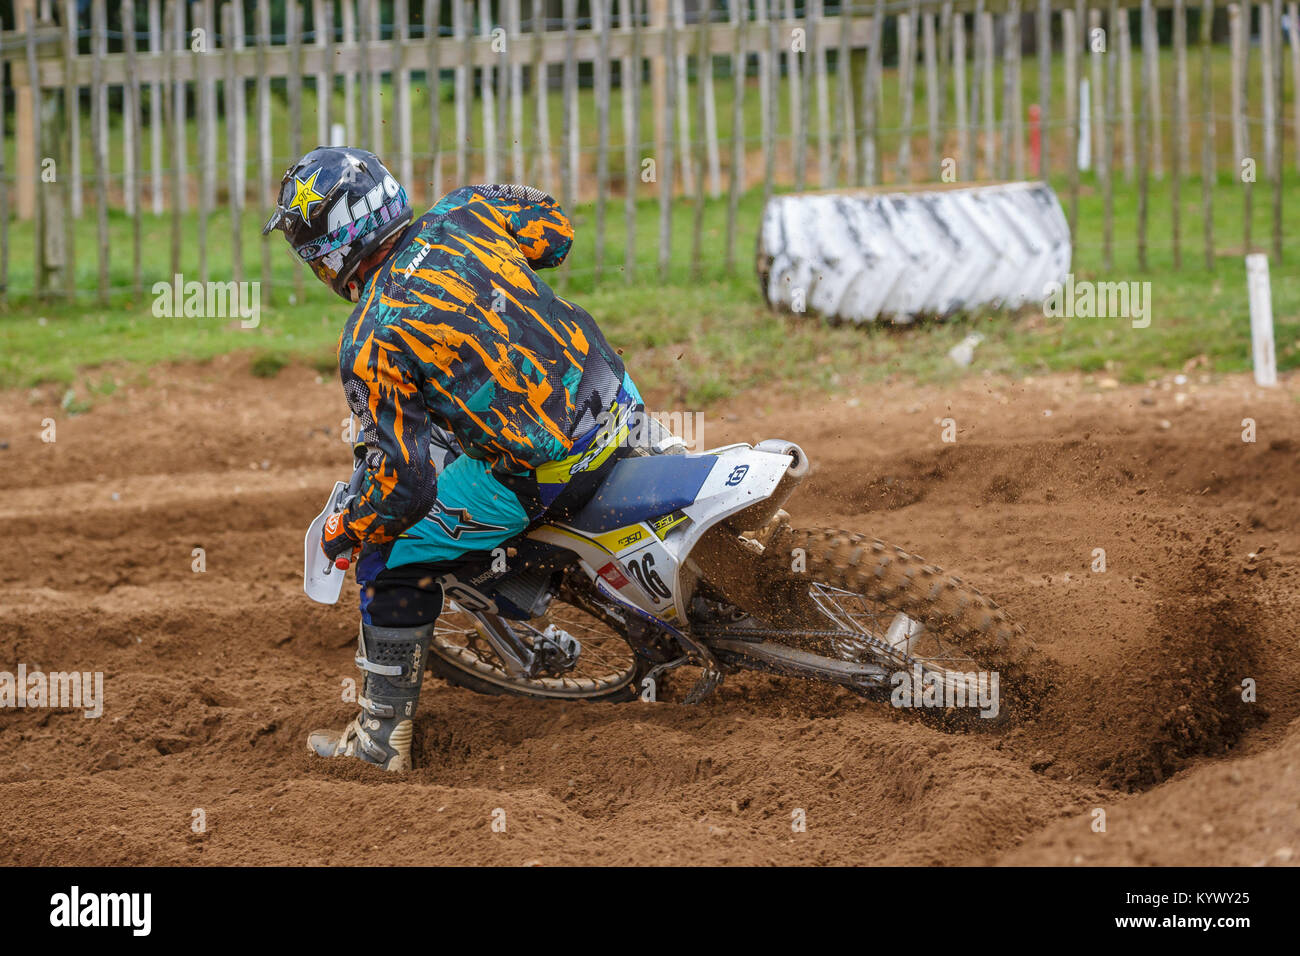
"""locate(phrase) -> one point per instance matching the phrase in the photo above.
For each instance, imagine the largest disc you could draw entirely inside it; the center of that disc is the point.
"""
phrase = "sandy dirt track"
(212, 680)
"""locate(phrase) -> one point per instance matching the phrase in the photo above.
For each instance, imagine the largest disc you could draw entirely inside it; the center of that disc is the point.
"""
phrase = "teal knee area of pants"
(475, 512)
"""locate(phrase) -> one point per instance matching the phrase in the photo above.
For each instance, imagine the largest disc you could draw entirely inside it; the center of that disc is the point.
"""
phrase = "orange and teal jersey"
(456, 330)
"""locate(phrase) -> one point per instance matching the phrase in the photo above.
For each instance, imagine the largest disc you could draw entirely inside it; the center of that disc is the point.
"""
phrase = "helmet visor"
(274, 222)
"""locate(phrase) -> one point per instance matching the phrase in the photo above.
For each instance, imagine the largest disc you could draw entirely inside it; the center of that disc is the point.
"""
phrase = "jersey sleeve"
(534, 219)
(400, 487)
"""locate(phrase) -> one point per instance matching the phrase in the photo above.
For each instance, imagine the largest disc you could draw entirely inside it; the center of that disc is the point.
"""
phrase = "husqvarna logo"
(737, 475)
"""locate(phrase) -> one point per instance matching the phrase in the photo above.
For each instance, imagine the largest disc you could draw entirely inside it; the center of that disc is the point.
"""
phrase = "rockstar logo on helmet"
(304, 194)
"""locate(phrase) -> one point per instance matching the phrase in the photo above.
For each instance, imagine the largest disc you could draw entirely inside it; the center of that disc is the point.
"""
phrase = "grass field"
(696, 339)
(702, 340)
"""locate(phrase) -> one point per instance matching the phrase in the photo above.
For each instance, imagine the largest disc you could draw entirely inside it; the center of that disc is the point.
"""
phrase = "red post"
(1036, 137)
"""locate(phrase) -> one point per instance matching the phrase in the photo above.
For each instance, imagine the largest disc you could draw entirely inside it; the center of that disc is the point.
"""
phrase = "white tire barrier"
(862, 255)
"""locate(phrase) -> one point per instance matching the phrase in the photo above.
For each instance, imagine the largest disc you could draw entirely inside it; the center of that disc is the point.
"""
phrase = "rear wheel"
(606, 668)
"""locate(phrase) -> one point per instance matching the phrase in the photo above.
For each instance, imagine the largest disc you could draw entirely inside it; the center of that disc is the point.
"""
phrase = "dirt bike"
(690, 559)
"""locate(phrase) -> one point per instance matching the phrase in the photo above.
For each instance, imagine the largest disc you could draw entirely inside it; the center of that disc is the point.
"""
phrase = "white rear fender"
(747, 485)
(741, 478)
(644, 563)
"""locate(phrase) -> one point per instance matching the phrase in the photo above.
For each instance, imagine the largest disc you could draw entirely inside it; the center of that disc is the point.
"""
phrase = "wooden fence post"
(24, 124)
(1293, 15)
(683, 74)
(233, 159)
(348, 23)
(375, 70)
(1181, 136)
(1012, 101)
(401, 83)
(174, 28)
(1120, 27)
(933, 96)
(822, 83)
(207, 119)
(905, 24)
(1105, 97)
(35, 157)
(433, 84)
(99, 132)
(322, 24)
(1151, 81)
(1144, 147)
(710, 119)
(264, 185)
(793, 74)
(1070, 46)
(766, 84)
(631, 90)
(664, 161)
(699, 158)
(487, 93)
(736, 14)
(541, 80)
(961, 118)
(871, 95)
(991, 162)
(1043, 50)
(570, 136)
(846, 139)
(155, 110)
(131, 121)
(1240, 40)
(1207, 131)
(1271, 12)
(4, 194)
(240, 172)
(515, 57)
(71, 160)
(601, 13)
(293, 29)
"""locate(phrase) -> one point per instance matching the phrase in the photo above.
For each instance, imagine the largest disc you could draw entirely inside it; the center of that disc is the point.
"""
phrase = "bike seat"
(640, 488)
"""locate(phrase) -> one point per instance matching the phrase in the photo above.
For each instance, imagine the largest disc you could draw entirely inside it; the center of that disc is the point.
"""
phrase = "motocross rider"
(480, 395)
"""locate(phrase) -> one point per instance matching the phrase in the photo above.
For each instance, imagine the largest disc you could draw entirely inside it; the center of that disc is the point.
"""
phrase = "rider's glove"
(337, 544)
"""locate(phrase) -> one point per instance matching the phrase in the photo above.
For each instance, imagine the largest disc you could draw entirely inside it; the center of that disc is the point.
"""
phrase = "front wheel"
(962, 622)
(846, 608)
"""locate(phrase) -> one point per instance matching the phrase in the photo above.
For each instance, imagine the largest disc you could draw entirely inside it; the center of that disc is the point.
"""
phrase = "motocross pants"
(478, 510)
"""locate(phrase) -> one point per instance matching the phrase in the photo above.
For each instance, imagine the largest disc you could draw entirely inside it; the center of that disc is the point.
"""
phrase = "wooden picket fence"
(197, 78)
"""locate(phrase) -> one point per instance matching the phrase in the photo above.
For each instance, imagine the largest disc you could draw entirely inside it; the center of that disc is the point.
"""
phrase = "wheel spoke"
(864, 626)
(604, 663)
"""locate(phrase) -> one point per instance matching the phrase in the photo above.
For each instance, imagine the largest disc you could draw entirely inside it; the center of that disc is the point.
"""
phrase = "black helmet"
(336, 206)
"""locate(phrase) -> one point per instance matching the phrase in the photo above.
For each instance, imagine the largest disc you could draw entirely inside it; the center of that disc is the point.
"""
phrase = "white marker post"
(338, 136)
(1261, 320)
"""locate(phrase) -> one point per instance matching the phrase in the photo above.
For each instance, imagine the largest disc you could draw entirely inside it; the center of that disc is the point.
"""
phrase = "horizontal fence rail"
(193, 109)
